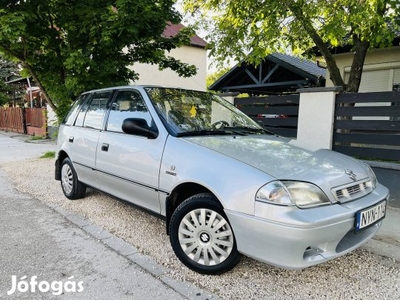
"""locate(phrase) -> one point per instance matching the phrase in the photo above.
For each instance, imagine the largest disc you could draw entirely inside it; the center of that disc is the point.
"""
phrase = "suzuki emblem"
(204, 238)
(351, 174)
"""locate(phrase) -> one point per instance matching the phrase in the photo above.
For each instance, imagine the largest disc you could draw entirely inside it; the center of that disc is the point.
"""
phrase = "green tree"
(69, 46)
(3, 92)
(251, 30)
(213, 77)
(7, 69)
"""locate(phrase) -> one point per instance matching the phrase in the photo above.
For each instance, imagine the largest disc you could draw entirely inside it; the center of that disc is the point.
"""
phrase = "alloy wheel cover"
(205, 237)
(67, 178)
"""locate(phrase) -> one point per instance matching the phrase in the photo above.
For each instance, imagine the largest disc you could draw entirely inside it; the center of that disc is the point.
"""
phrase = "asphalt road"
(391, 179)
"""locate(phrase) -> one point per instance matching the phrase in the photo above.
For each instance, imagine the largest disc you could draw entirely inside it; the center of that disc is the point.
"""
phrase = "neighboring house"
(193, 54)
(276, 74)
(24, 93)
(381, 68)
(381, 72)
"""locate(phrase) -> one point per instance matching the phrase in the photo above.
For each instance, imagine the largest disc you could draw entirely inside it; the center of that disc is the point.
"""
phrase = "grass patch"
(49, 154)
(37, 137)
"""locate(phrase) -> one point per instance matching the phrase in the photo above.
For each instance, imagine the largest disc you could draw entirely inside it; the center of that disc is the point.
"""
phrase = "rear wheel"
(71, 186)
(202, 237)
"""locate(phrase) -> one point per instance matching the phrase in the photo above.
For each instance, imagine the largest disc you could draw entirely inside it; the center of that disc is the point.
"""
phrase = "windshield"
(188, 112)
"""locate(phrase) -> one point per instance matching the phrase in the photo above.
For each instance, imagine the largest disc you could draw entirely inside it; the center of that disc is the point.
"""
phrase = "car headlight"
(372, 176)
(274, 192)
(301, 194)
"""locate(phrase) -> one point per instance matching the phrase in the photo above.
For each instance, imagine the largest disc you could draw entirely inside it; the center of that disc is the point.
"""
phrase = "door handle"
(104, 147)
(71, 139)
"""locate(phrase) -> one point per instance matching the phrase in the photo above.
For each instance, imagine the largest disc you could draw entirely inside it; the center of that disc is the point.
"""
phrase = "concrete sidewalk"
(38, 241)
(388, 174)
(387, 241)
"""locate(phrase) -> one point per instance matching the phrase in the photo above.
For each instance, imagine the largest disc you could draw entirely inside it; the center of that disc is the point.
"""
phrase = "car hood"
(281, 159)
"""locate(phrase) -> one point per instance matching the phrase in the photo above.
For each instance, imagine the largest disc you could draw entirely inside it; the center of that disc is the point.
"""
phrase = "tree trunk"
(361, 48)
(334, 71)
(42, 89)
(21, 58)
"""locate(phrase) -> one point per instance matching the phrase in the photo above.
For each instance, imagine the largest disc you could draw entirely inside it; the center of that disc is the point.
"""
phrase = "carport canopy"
(276, 74)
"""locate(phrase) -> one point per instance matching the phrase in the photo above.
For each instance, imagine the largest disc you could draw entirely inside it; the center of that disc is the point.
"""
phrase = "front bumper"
(316, 238)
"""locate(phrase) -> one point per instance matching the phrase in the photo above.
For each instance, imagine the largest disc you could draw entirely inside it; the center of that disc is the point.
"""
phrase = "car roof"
(139, 86)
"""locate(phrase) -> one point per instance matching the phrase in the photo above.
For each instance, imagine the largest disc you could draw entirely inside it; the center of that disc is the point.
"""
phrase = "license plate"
(370, 216)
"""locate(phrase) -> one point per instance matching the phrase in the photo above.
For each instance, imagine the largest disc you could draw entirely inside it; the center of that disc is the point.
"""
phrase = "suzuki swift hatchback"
(224, 185)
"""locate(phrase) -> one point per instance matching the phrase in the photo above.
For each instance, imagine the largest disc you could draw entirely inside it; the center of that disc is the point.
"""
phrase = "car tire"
(71, 186)
(202, 237)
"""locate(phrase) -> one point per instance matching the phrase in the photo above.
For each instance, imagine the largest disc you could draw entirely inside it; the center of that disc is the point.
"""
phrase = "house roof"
(277, 73)
(172, 30)
(301, 64)
(17, 80)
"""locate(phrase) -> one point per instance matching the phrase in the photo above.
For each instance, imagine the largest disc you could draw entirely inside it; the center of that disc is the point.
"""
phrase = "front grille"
(352, 191)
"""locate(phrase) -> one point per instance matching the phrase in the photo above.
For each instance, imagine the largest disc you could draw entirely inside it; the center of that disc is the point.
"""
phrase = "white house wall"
(150, 74)
(382, 69)
(380, 73)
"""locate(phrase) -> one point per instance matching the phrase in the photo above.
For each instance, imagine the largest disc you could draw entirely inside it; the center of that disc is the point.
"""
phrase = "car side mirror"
(139, 126)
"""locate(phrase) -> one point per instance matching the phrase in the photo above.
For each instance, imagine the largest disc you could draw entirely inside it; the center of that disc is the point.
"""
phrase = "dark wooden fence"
(32, 121)
(278, 114)
(367, 125)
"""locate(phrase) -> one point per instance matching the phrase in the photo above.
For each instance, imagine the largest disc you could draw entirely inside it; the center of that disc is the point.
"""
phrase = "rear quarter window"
(70, 117)
(91, 113)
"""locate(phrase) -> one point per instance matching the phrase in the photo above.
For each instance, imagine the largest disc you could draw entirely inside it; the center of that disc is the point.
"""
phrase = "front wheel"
(71, 186)
(202, 237)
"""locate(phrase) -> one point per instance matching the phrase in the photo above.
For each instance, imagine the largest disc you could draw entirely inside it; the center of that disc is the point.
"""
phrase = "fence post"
(316, 118)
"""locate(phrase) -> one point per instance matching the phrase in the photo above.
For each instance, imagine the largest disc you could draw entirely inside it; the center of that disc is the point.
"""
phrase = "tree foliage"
(251, 30)
(7, 69)
(69, 46)
(213, 77)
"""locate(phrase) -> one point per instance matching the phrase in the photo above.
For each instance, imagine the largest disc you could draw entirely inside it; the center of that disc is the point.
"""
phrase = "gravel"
(358, 275)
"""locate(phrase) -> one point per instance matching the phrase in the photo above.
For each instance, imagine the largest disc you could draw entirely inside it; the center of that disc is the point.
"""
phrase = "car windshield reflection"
(187, 112)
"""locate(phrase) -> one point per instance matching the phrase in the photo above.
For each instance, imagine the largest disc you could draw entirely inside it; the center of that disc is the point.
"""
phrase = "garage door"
(378, 80)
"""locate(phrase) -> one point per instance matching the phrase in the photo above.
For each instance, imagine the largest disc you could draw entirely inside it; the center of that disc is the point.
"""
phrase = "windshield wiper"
(204, 132)
(247, 129)
(234, 130)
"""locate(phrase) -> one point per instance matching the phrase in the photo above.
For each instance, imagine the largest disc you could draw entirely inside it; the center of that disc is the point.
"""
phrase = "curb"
(131, 253)
(383, 165)
(28, 138)
(386, 242)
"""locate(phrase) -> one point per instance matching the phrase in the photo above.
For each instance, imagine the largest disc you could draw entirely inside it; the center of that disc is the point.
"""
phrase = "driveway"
(390, 177)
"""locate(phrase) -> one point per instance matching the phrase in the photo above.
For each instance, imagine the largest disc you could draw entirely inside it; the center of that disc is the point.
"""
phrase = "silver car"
(224, 185)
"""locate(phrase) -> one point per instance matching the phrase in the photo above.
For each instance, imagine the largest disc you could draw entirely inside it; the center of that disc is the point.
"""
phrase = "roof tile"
(172, 30)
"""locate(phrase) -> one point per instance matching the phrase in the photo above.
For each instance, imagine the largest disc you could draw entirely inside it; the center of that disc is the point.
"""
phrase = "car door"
(84, 135)
(128, 165)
